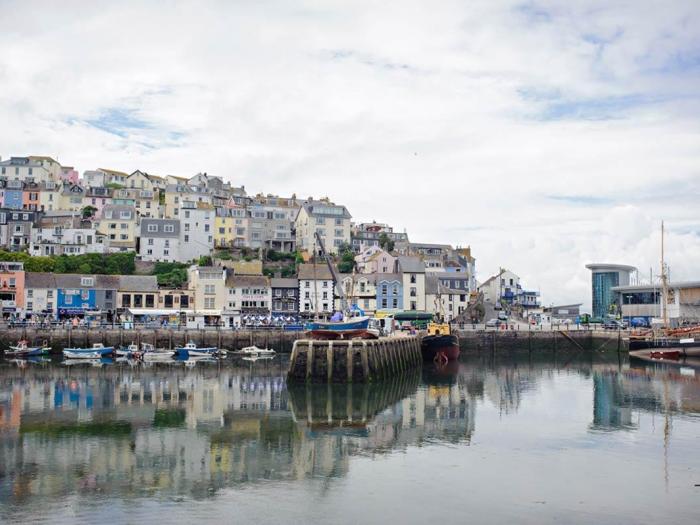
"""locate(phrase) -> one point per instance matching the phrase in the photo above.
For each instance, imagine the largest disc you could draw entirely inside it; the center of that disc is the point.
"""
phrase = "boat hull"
(358, 323)
(27, 352)
(332, 335)
(440, 347)
(185, 352)
(87, 353)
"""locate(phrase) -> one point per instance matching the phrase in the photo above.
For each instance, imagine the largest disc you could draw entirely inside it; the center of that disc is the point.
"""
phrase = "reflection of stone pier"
(349, 405)
(353, 360)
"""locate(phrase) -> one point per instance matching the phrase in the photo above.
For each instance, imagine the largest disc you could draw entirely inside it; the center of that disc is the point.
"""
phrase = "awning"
(157, 311)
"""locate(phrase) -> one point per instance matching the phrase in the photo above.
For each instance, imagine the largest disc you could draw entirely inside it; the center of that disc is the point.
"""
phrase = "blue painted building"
(13, 198)
(389, 292)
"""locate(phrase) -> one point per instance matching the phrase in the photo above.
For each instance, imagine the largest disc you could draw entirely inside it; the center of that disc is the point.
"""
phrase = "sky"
(545, 135)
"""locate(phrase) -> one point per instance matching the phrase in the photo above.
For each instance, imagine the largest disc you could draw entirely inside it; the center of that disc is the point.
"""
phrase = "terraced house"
(331, 221)
(118, 225)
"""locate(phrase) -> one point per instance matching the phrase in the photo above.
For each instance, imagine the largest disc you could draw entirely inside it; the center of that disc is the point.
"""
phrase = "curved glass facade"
(603, 296)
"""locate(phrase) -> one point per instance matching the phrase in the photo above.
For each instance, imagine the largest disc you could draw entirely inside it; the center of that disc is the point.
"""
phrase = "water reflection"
(148, 432)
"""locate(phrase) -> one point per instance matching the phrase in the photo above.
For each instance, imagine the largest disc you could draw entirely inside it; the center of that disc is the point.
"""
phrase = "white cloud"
(543, 134)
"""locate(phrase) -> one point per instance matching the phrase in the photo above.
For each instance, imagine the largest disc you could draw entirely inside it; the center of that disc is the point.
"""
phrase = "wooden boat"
(440, 344)
(97, 351)
(254, 358)
(191, 349)
(22, 349)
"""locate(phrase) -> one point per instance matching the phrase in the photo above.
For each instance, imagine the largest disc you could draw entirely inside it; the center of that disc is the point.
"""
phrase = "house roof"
(71, 280)
(314, 271)
(138, 283)
(236, 281)
(388, 277)
(318, 209)
(411, 264)
(113, 172)
(281, 282)
(39, 280)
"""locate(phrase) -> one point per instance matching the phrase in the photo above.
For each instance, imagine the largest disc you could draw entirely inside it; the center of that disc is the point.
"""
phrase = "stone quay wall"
(353, 361)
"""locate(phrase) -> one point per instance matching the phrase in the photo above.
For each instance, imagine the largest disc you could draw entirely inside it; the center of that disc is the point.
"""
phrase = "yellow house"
(50, 196)
(224, 228)
(119, 226)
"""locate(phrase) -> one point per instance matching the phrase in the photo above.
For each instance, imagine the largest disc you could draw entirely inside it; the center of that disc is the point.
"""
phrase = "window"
(413, 292)
(395, 303)
(338, 233)
(209, 303)
(30, 305)
(187, 214)
(325, 295)
(187, 238)
(124, 237)
(385, 289)
(49, 294)
(413, 278)
(187, 226)
(169, 228)
(152, 228)
(339, 222)
(123, 226)
(150, 242)
(150, 301)
(125, 214)
(413, 305)
(209, 289)
(307, 295)
(206, 228)
(149, 252)
(30, 293)
(384, 303)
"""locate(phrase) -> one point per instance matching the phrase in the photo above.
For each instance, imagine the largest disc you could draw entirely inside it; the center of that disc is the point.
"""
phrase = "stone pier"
(353, 361)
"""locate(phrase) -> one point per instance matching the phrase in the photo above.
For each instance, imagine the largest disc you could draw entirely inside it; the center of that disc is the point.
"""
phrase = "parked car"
(493, 323)
(613, 324)
(502, 316)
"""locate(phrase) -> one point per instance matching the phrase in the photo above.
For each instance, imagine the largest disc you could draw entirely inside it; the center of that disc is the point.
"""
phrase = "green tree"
(347, 262)
(205, 260)
(88, 212)
(386, 243)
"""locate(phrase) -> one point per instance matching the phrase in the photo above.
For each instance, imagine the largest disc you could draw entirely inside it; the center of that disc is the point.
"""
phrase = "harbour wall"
(471, 341)
(353, 361)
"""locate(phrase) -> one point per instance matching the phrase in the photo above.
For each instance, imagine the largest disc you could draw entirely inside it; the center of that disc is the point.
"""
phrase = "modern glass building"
(603, 278)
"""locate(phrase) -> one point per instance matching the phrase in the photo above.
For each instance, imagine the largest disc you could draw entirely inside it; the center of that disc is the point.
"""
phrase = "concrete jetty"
(354, 360)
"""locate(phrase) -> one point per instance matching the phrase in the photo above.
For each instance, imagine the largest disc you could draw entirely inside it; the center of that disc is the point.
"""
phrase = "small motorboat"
(97, 351)
(151, 353)
(22, 349)
(255, 351)
(191, 349)
(127, 351)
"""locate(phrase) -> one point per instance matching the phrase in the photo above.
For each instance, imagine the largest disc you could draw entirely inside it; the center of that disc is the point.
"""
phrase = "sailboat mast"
(664, 282)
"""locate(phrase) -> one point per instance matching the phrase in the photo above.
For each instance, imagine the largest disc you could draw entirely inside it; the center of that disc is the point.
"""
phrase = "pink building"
(375, 260)
(11, 287)
(69, 174)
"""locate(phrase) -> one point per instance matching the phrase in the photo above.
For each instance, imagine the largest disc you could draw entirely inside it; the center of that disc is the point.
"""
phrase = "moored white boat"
(254, 350)
(192, 349)
(96, 351)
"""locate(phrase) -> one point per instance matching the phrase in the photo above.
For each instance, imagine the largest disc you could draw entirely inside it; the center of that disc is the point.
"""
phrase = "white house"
(331, 221)
(160, 240)
(197, 230)
(412, 271)
(316, 289)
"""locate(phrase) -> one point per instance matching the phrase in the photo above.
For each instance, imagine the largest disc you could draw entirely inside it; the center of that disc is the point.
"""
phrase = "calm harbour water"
(487, 441)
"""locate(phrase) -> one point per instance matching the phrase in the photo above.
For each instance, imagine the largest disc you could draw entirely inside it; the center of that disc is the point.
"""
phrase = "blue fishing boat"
(97, 351)
(191, 349)
(353, 323)
(22, 349)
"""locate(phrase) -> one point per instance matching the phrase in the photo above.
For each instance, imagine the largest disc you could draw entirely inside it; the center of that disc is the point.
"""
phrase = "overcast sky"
(545, 135)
